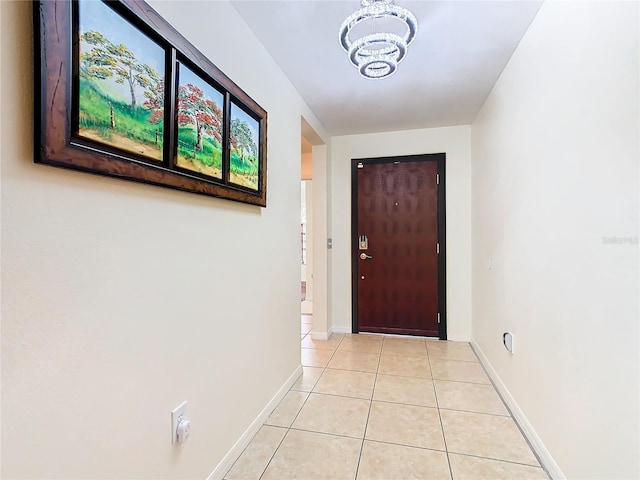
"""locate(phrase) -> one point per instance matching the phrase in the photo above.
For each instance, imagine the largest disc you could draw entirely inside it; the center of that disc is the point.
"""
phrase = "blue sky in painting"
(95, 15)
(187, 76)
(237, 112)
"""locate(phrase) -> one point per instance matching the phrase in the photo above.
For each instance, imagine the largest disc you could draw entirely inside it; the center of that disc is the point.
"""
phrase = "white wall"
(455, 142)
(555, 171)
(120, 300)
(321, 194)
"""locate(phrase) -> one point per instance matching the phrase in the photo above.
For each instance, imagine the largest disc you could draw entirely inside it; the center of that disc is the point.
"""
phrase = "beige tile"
(361, 343)
(406, 425)
(410, 348)
(382, 461)
(256, 456)
(408, 390)
(314, 357)
(346, 383)
(487, 436)
(286, 412)
(458, 371)
(405, 366)
(308, 379)
(334, 415)
(474, 468)
(308, 455)
(471, 397)
(330, 344)
(362, 362)
(444, 350)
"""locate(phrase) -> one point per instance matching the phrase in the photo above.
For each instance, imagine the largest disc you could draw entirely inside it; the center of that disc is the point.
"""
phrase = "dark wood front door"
(398, 245)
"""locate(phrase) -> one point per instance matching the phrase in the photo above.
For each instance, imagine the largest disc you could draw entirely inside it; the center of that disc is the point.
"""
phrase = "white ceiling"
(459, 52)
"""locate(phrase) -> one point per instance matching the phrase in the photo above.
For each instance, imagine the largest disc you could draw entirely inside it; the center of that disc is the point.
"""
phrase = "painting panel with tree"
(121, 83)
(200, 125)
(244, 142)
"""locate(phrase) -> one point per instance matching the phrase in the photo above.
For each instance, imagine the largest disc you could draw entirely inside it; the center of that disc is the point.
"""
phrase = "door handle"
(364, 256)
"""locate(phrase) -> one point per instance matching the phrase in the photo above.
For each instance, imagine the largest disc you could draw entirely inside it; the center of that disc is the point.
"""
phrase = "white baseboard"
(546, 460)
(320, 335)
(332, 330)
(339, 330)
(244, 440)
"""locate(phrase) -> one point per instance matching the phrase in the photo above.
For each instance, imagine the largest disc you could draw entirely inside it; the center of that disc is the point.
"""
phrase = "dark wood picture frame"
(59, 143)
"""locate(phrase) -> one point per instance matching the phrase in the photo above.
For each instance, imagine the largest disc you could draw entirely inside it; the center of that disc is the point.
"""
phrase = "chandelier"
(377, 54)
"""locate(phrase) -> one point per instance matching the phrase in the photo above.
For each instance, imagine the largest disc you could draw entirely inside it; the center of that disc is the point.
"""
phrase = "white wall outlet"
(178, 415)
(507, 339)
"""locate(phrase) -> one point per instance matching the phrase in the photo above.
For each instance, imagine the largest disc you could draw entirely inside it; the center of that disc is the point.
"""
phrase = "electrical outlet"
(178, 414)
(507, 339)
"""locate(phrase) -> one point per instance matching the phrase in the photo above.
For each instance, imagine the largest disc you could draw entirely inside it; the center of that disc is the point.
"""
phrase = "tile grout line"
(242, 453)
(370, 400)
(444, 438)
(364, 434)
(274, 452)
(366, 424)
(474, 412)
(416, 447)
(339, 435)
(501, 460)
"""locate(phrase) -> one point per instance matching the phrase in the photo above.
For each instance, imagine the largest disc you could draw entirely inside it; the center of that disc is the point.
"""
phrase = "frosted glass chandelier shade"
(376, 55)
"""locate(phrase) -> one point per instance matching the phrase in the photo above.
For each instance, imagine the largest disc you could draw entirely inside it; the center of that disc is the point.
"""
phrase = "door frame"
(440, 158)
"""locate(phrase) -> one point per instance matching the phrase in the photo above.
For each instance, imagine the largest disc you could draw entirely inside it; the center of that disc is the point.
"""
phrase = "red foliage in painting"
(155, 102)
(194, 108)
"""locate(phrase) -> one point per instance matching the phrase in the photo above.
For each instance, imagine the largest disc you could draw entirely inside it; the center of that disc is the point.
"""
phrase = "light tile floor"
(382, 407)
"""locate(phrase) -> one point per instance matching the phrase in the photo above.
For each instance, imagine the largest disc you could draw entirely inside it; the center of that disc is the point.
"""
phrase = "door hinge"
(437, 179)
(438, 318)
(360, 165)
(438, 248)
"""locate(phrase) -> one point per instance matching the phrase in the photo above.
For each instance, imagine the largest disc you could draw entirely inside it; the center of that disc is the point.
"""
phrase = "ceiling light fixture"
(377, 54)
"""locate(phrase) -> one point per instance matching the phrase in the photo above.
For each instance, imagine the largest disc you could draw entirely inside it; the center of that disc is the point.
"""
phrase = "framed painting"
(119, 92)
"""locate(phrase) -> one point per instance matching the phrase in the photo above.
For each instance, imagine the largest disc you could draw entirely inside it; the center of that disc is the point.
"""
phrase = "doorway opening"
(306, 228)
(313, 233)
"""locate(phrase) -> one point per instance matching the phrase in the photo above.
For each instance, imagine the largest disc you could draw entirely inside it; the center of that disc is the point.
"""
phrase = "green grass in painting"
(249, 167)
(132, 123)
(211, 153)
